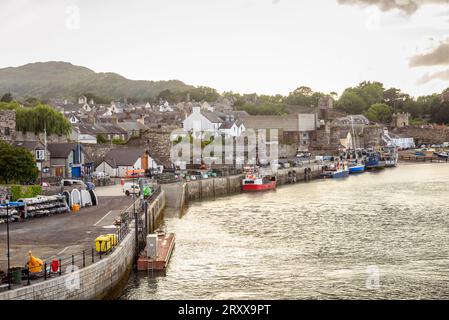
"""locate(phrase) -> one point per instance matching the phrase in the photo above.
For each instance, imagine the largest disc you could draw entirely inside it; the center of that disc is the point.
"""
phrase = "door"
(76, 172)
(59, 171)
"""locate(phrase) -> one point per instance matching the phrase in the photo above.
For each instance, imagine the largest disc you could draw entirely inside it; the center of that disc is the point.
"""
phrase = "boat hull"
(259, 187)
(335, 175)
(357, 169)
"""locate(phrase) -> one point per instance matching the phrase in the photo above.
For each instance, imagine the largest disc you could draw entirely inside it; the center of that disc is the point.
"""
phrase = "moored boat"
(259, 183)
(356, 168)
(337, 171)
(375, 161)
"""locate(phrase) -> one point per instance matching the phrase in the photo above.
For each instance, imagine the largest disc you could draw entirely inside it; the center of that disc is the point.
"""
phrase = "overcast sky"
(263, 46)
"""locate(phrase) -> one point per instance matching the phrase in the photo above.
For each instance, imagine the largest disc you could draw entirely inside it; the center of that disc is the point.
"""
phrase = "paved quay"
(65, 234)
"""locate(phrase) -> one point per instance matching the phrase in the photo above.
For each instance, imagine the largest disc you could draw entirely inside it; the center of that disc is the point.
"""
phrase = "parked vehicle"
(73, 182)
(130, 188)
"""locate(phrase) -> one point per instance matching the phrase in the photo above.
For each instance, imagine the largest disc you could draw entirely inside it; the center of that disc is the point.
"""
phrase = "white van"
(130, 188)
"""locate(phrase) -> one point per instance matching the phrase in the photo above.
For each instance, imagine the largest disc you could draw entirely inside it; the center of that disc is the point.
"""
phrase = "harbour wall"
(97, 281)
(224, 186)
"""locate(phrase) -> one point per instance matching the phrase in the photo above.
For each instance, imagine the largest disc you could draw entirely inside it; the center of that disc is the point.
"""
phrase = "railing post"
(60, 266)
(28, 277)
(93, 255)
(101, 248)
(73, 260)
(84, 258)
(45, 271)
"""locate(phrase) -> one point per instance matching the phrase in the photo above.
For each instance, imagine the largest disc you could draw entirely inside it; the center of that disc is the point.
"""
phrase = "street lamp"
(135, 213)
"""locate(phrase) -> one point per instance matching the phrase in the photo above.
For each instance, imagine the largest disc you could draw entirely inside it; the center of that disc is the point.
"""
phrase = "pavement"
(64, 234)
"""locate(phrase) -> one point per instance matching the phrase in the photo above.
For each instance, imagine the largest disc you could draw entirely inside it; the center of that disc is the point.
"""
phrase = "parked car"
(73, 182)
(100, 175)
(130, 188)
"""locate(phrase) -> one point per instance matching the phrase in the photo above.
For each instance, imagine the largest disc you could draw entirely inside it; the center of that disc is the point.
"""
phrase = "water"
(380, 235)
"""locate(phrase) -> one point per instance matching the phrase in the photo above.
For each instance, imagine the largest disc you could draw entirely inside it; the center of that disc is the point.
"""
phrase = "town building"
(400, 120)
(68, 160)
(118, 161)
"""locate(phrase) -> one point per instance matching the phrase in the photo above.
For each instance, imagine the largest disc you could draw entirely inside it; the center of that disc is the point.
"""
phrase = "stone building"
(7, 125)
(400, 120)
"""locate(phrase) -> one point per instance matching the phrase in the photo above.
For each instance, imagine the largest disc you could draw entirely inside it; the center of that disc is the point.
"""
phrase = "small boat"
(443, 155)
(375, 161)
(391, 156)
(259, 183)
(356, 168)
(338, 171)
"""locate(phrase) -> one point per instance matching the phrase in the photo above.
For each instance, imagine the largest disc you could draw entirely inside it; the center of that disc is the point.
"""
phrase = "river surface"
(379, 235)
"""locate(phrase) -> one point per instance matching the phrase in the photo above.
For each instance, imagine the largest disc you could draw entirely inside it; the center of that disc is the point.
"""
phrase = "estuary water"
(378, 235)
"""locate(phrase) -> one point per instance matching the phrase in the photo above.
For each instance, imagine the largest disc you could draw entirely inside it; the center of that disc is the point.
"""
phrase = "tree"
(36, 119)
(101, 139)
(380, 112)
(7, 97)
(350, 102)
(18, 164)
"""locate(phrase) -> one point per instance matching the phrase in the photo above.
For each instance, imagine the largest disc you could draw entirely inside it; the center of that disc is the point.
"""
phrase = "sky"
(245, 46)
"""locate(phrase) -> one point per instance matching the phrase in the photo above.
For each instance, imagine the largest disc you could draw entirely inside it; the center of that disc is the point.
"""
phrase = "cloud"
(407, 6)
(438, 56)
(441, 75)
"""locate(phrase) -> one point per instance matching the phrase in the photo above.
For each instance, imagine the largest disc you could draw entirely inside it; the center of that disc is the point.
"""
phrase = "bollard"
(73, 260)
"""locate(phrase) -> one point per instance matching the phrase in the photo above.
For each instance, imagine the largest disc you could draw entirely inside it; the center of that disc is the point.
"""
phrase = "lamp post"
(7, 243)
(136, 222)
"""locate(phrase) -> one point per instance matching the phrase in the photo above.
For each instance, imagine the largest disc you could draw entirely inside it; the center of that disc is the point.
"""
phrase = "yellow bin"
(76, 207)
(113, 239)
(104, 242)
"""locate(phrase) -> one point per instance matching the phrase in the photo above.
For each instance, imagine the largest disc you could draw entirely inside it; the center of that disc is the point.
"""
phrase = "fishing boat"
(391, 156)
(339, 170)
(374, 160)
(254, 182)
(355, 167)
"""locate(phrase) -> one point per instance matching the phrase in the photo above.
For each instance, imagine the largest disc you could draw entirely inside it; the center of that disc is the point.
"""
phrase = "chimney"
(196, 109)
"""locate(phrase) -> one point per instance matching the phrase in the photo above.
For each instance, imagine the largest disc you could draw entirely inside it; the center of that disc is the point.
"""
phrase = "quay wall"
(225, 186)
(96, 281)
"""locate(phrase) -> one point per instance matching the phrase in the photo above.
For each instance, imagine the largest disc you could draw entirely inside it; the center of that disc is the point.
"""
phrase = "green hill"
(56, 79)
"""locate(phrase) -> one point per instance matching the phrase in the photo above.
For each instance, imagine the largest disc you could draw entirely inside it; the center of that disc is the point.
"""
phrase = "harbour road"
(61, 235)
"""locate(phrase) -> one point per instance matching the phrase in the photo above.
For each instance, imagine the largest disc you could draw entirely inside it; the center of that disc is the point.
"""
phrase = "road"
(64, 234)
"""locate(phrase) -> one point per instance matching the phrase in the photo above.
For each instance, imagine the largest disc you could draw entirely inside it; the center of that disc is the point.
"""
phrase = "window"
(7, 131)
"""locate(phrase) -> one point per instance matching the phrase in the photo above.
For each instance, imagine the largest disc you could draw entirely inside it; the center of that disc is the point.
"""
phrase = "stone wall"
(424, 135)
(218, 187)
(7, 125)
(158, 143)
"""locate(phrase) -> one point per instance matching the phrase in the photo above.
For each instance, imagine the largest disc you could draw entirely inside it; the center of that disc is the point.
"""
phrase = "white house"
(399, 141)
(202, 121)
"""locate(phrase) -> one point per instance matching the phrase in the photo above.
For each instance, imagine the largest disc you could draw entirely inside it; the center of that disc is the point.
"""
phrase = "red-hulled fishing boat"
(259, 183)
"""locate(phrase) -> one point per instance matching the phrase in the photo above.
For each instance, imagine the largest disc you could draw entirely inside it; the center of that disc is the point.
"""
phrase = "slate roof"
(287, 123)
(123, 156)
(29, 145)
(61, 150)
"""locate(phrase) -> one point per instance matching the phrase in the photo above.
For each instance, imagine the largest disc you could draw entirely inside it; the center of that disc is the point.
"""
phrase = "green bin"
(16, 275)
